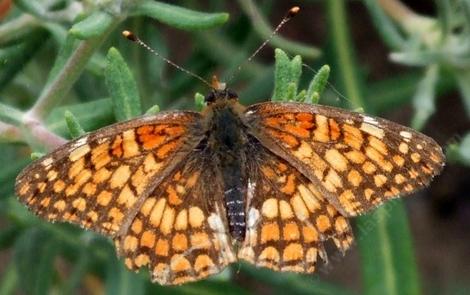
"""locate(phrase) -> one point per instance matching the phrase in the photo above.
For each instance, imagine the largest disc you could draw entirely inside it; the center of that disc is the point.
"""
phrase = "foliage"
(98, 78)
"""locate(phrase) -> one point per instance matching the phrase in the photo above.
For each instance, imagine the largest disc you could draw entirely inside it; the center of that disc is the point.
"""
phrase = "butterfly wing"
(288, 219)
(97, 180)
(354, 160)
(180, 232)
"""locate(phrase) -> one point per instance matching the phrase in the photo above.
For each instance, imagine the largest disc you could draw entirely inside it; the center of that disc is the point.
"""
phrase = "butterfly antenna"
(132, 37)
(289, 15)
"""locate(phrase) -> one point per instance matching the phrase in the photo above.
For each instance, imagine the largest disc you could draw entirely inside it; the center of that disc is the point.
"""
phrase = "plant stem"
(397, 10)
(72, 69)
(262, 27)
(18, 27)
(9, 133)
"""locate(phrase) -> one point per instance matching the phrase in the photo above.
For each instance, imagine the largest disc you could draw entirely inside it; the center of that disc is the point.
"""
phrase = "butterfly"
(186, 193)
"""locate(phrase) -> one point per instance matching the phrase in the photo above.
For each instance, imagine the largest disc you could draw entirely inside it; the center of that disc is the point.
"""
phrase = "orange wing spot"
(354, 177)
(323, 223)
(104, 198)
(321, 133)
(286, 139)
(196, 217)
(89, 189)
(175, 131)
(299, 207)
(310, 234)
(378, 145)
(291, 231)
(297, 131)
(157, 211)
(60, 205)
(281, 166)
(368, 167)
(269, 232)
(335, 131)
(45, 202)
(399, 179)
(162, 247)
(293, 251)
(270, 253)
(304, 117)
(151, 141)
(398, 160)
(181, 222)
(116, 148)
(126, 197)
(200, 240)
(100, 156)
(164, 150)
(173, 197)
(352, 136)
(142, 260)
(166, 225)
(273, 122)
(341, 225)
(137, 226)
(147, 206)
(147, 239)
(79, 204)
(380, 180)
(115, 215)
(203, 262)
(179, 263)
(101, 175)
(130, 243)
(145, 129)
(368, 193)
(415, 157)
(177, 176)
(180, 242)
(270, 208)
(120, 176)
(285, 209)
(268, 172)
(41, 186)
(191, 181)
(58, 186)
(76, 168)
(289, 187)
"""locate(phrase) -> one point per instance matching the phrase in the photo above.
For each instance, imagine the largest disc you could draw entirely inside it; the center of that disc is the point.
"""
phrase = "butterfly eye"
(231, 94)
(210, 97)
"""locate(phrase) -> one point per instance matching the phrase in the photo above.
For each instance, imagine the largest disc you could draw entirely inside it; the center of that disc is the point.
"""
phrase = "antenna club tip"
(129, 35)
(293, 11)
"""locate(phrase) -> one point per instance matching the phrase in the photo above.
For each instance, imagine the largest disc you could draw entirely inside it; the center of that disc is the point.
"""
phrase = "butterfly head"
(219, 92)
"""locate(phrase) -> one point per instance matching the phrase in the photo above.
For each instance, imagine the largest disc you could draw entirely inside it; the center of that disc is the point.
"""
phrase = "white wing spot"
(370, 120)
(372, 130)
(46, 162)
(406, 134)
(253, 217)
(80, 142)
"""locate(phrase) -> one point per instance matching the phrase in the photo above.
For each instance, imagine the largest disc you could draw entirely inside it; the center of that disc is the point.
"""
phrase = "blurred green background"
(407, 61)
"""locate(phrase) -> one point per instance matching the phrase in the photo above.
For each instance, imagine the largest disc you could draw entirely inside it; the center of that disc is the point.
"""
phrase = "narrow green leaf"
(9, 280)
(122, 87)
(153, 110)
(291, 91)
(387, 29)
(92, 26)
(199, 101)
(36, 155)
(286, 76)
(73, 125)
(35, 248)
(91, 115)
(317, 85)
(179, 17)
(388, 260)
(424, 98)
(302, 96)
(31, 7)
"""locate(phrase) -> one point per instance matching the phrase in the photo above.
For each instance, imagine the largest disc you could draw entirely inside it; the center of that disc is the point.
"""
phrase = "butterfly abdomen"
(227, 144)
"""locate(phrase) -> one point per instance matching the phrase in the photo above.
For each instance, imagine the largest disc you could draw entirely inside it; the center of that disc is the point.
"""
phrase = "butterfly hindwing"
(180, 232)
(355, 161)
(95, 181)
(288, 220)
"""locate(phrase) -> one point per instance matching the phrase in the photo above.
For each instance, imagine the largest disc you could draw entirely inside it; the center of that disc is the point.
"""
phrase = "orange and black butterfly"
(185, 193)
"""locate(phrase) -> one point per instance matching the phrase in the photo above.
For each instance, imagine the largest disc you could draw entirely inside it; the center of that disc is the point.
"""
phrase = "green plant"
(91, 85)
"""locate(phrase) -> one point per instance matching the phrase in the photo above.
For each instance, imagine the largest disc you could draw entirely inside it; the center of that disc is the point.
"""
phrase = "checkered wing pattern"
(97, 180)
(355, 161)
(180, 232)
(288, 218)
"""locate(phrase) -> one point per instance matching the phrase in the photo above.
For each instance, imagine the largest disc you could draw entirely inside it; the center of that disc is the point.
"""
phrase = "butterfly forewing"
(355, 161)
(180, 232)
(96, 180)
(288, 219)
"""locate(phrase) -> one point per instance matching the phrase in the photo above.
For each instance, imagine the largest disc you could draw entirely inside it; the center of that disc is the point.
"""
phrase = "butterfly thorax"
(226, 139)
